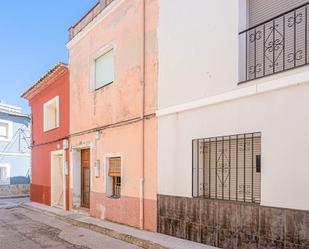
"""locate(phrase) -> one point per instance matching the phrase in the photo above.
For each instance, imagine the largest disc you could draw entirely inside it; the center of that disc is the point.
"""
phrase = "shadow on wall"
(20, 180)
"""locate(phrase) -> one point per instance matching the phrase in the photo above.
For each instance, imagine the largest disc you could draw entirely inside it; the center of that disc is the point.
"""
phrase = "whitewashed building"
(233, 122)
(14, 151)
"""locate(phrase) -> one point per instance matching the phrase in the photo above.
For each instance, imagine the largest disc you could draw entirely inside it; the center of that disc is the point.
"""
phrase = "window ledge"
(101, 87)
(52, 129)
(5, 140)
(113, 197)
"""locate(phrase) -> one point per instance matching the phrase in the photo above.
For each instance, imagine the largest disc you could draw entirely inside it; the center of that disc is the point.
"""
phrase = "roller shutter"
(262, 10)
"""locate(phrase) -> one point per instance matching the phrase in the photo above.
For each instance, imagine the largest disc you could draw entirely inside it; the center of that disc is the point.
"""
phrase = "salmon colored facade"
(117, 120)
(55, 84)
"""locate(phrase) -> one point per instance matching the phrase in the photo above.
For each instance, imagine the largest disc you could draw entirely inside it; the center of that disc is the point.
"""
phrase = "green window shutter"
(104, 69)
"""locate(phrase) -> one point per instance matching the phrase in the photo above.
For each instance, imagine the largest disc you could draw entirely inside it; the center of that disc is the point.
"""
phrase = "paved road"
(10, 203)
(21, 228)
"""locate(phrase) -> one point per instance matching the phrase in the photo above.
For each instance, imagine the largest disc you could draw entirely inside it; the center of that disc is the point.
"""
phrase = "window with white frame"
(5, 130)
(113, 181)
(51, 114)
(4, 174)
(104, 69)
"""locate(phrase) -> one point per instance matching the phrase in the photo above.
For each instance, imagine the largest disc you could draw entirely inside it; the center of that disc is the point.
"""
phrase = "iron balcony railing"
(274, 46)
(88, 17)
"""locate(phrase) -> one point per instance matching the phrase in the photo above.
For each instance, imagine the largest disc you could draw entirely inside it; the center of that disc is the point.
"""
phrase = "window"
(114, 173)
(104, 69)
(4, 131)
(4, 174)
(51, 114)
(228, 168)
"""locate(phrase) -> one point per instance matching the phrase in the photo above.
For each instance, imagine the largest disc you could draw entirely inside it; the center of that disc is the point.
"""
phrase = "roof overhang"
(46, 80)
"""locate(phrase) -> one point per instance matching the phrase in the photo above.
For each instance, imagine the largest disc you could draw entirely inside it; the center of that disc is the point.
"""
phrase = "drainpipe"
(143, 57)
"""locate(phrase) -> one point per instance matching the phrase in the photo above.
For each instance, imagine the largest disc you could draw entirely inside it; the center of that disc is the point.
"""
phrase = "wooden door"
(85, 181)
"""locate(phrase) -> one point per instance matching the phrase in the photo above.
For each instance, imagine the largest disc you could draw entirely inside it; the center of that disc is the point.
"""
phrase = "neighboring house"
(233, 125)
(49, 102)
(14, 146)
(113, 65)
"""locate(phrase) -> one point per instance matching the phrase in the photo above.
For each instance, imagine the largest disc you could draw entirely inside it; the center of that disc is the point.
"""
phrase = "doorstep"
(128, 234)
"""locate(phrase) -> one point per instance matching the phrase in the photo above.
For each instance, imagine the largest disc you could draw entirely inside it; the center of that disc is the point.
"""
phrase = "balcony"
(88, 17)
(274, 46)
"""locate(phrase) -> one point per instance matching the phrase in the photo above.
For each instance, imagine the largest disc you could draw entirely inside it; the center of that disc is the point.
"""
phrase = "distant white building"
(14, 146)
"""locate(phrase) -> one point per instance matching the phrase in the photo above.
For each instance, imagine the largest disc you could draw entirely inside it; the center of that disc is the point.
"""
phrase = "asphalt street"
(22, 228)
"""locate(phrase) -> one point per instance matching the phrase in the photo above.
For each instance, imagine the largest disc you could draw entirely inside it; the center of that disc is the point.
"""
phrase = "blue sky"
(32, 39)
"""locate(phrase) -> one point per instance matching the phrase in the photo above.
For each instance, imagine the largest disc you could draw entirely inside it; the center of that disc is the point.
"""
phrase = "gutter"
(143, 59)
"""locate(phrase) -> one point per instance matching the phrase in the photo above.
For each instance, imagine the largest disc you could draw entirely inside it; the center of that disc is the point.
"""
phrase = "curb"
(146, 244)
(14, 197)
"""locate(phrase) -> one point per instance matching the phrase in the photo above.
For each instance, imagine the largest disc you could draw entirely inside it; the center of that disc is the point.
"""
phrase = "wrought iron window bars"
(227, 168)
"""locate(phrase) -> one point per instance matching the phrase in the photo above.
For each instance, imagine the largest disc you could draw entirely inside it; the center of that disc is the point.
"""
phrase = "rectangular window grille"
(228, 168)
(115, 174)
(116, 187)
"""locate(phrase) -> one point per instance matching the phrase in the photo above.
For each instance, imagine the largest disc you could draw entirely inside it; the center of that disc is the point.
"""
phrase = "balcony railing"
(275, 45)
(88, 17)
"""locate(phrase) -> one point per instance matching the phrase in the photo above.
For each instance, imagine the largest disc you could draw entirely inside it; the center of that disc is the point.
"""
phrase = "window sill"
(5, 140)
(114, 197)
(101, 87)
(52, 129)
(226, 200)
(269, 77)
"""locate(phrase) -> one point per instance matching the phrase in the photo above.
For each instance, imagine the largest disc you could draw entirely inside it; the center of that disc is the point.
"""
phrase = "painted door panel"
(85, 175)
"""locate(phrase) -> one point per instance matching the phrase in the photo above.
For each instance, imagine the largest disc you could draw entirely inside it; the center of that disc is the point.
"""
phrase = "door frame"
(75, 159)
(52, 155)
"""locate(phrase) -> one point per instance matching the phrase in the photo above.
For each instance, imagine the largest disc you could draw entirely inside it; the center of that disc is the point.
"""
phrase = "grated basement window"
(228, 168)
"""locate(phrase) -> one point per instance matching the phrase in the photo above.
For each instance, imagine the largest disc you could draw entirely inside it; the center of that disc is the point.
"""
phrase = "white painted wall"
(280, 116)
(76, 177)
(198, 97)
(198, 49)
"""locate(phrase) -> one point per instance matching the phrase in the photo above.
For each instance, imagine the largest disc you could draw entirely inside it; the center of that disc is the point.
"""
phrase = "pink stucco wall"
(117, 103)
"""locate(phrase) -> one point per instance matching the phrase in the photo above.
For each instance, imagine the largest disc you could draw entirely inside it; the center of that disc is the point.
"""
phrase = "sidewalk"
(134, 236)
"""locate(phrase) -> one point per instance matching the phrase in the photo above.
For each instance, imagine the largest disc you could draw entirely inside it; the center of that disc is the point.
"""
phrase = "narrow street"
(21, 228)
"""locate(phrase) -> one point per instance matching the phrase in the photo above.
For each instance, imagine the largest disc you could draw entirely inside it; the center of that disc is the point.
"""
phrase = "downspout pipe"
(143, 59)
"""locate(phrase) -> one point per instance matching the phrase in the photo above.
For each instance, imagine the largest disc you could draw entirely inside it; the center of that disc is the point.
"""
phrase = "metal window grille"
(228, 167)
(115, 173)
(274, 46)
(116, 186)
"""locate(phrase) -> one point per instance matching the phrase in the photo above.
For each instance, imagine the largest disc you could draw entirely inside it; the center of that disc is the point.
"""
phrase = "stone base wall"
(236, 225)
(14, 190)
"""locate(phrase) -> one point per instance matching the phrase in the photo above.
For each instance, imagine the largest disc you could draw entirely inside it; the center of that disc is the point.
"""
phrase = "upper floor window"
(51, 114)
(5, 130)
(273, 37)
(228, 168)
(104, 69)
